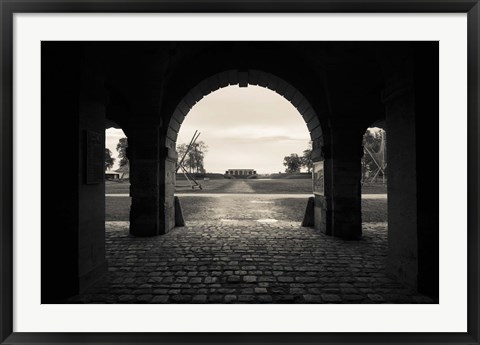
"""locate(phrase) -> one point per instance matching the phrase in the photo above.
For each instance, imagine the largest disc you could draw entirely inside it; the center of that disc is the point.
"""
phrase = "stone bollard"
(309, 218)
(179, 221)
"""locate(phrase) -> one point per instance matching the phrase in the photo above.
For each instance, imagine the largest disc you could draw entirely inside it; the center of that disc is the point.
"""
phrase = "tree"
(122, 151)
(109, 160)
(293, 163)
(307, 158)
(181, 149)
(194, 161)
(198, 157)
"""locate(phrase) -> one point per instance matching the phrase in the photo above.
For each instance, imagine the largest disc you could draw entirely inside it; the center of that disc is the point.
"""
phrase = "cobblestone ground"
(247, 262)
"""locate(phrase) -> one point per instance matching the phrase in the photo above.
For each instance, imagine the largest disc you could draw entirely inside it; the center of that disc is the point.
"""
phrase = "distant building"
(240, 172)
(124, 172)
(112, 175)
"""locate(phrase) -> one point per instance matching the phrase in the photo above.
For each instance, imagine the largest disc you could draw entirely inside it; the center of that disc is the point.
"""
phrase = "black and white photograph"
(240, 172)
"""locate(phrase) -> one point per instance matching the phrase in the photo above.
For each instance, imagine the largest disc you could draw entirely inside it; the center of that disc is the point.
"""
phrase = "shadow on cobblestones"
(247, 262)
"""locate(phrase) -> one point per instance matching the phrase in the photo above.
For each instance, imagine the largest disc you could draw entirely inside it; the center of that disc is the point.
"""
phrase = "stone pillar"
(143, 154)
(402, 186)
(167, 159)
(427, 121)
(92, 263)
(345, 170)
(321, 192)
(412, 119)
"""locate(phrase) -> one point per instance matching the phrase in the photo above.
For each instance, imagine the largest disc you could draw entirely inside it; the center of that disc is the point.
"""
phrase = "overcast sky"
(244, 128)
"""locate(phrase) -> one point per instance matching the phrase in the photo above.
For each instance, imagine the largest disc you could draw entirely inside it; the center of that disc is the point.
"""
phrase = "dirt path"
(239, 186)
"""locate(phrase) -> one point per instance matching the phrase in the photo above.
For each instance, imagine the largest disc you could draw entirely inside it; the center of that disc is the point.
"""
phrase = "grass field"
(250, 206)
(195, 208)
(264, 186)
(117, 187)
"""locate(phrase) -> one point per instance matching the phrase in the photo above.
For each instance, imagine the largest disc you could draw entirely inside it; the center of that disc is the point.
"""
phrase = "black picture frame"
(9, 8)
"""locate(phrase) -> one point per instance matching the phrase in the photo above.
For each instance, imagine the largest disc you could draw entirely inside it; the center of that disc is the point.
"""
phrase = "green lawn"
(374, 210)
(264, 186)
(117, 208)
(117, 187)
(276, 186)
(374, 188)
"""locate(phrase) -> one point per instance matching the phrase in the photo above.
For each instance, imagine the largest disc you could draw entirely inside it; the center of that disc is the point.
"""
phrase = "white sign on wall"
(318, 178)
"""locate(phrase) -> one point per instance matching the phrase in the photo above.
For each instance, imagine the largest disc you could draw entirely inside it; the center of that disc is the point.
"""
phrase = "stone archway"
(242, 79)
(361, 80)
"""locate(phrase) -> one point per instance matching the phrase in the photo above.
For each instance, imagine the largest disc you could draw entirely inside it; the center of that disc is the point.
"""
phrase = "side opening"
(375, 179)
(117, 177)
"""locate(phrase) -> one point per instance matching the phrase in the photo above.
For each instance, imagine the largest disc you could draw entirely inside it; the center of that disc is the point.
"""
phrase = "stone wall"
(73, 228)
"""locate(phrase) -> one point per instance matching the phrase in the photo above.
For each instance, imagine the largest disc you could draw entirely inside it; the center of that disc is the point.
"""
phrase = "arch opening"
(253, 79)
(117, 174)
(244, 79)
(374, 180)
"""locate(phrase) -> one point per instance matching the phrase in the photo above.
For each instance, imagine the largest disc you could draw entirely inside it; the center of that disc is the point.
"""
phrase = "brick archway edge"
(243, 79)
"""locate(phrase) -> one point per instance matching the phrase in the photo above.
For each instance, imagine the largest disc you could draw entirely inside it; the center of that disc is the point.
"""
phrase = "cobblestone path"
(247, 262)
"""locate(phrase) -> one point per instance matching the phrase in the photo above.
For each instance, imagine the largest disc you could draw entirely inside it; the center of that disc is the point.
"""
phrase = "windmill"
(188, 176)
(379, 157)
